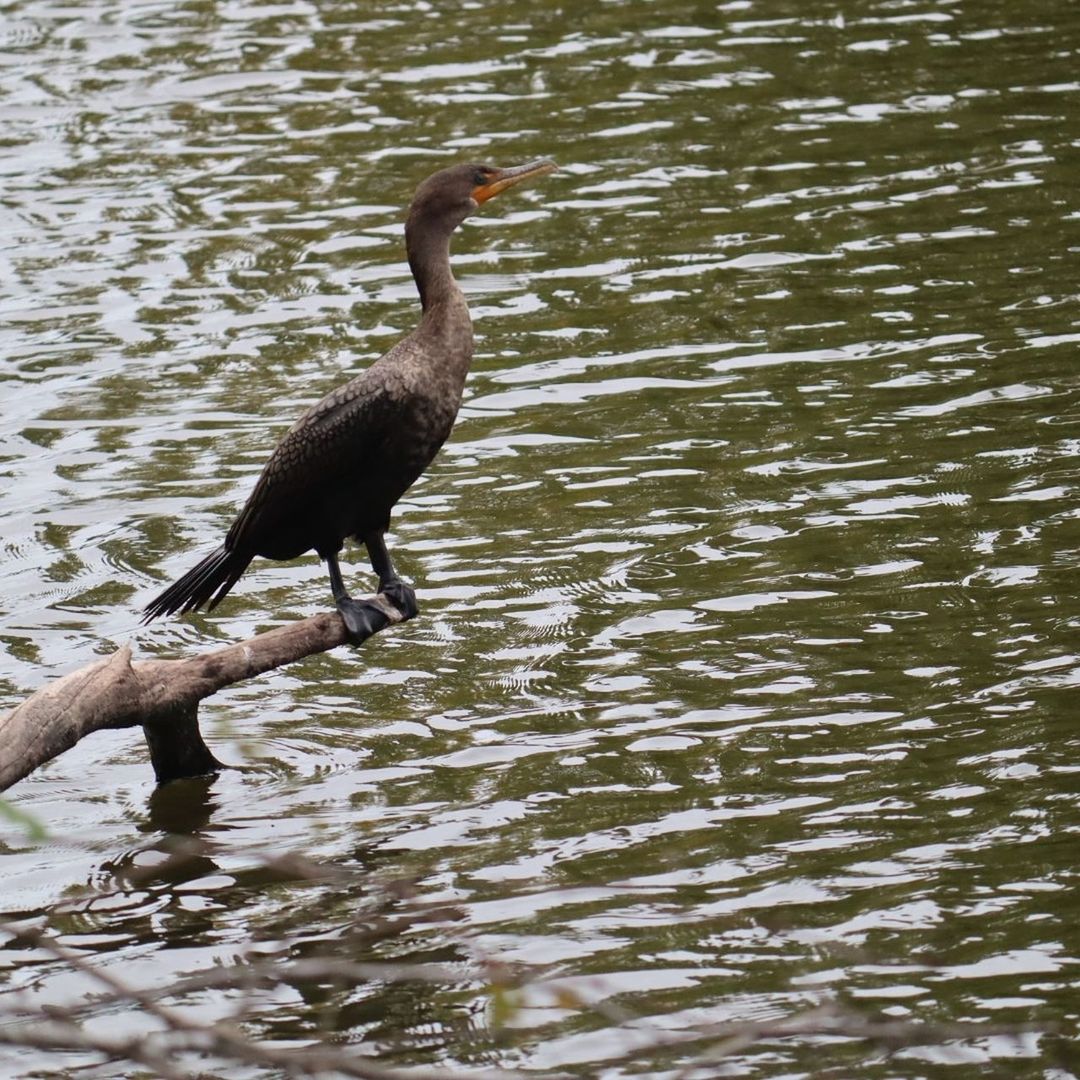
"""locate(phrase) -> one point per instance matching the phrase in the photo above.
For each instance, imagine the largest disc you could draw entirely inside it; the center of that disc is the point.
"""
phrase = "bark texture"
(161, 696)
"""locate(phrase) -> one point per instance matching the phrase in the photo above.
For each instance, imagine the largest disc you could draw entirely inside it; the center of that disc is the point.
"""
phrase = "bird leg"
(390, 585)
(361, 617)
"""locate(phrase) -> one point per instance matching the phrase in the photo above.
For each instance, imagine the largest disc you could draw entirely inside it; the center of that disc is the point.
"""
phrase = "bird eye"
(481, 176)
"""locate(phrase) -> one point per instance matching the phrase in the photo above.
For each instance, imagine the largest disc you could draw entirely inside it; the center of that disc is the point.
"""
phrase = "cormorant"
(343, 465)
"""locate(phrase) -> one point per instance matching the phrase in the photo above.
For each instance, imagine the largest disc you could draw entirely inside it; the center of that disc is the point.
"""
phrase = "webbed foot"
(401, 596)
(361, 618)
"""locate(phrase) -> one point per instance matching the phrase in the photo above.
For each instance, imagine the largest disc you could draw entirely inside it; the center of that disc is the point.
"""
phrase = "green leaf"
(34, 829)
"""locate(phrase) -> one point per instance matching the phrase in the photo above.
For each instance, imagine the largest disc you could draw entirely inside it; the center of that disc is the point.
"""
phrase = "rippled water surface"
(746, 674)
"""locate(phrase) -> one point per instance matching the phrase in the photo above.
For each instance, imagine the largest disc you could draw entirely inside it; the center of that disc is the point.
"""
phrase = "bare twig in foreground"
(831, 1019)
(57, 1029)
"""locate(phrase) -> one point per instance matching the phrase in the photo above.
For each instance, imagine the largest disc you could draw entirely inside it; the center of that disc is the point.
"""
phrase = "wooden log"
(161, 696)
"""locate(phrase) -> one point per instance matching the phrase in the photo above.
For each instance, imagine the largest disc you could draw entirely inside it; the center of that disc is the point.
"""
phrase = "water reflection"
(748, 639)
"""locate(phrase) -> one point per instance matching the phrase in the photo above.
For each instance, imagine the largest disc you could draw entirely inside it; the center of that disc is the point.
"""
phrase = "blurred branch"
(52, 1028)
(703, 1048)
(161, 696)
(830, 1019)
(837, 1020)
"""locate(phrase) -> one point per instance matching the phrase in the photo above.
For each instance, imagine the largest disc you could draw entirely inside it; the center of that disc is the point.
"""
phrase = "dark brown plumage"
(339, 470)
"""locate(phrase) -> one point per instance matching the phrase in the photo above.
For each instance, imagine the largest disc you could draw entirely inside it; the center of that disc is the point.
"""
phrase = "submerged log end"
(176, 745)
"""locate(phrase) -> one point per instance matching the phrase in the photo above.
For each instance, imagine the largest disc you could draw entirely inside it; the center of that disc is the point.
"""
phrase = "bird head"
(451, 195)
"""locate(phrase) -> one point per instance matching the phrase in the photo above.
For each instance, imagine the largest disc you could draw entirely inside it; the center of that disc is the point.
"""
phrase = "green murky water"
(747, 669)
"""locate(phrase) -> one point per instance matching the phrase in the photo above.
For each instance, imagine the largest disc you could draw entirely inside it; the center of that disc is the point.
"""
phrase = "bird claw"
(401, 596)
(361, 618)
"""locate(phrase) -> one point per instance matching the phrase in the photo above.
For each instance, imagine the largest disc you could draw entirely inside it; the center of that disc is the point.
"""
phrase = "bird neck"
(428, 247)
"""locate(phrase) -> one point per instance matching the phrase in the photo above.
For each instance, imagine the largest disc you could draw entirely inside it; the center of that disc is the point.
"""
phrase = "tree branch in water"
(161, 696)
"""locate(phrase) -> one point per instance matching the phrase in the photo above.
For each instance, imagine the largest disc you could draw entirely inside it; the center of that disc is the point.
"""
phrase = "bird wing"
(332, 439)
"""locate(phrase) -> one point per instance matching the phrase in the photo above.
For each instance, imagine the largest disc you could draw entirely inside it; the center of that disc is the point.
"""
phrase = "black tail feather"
(205, 584)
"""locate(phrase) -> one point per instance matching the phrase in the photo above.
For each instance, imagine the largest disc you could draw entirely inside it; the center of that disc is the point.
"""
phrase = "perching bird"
(339, 470)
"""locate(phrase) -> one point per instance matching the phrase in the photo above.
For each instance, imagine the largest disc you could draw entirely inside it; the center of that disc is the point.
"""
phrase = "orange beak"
(505, 178)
